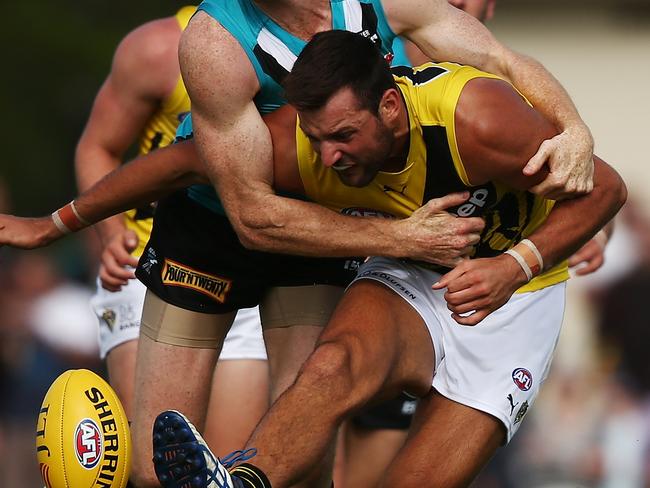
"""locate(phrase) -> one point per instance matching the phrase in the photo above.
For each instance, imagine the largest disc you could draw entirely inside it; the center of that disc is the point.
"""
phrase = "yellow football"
(82, 434)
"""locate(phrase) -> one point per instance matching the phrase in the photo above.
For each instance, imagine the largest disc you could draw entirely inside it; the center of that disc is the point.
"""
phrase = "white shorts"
(119, 313)
(496, 366)
(244, 339)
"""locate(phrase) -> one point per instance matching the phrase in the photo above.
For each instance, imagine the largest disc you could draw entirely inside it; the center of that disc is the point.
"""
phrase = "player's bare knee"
(329, 368)
(335, 366)
(330, 361)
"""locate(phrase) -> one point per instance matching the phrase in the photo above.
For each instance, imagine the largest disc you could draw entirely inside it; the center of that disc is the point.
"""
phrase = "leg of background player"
(170, 377)
(240, 385)
(455, 438)
(367, 453)
(288, 348)
(239, 399)
(120, 363)
(371, 439)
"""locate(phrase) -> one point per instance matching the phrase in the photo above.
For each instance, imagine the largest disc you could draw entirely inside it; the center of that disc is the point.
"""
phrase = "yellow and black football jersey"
(433, 169)
(159, 132)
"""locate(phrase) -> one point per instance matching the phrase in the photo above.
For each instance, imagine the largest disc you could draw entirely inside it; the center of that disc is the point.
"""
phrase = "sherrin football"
(82, 434)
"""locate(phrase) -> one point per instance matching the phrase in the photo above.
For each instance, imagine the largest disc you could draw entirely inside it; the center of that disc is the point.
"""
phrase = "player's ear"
(389, 105)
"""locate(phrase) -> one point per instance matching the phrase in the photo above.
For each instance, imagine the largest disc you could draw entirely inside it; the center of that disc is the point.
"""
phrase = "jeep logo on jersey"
(475, 204)
(522, 378)
(88, 443)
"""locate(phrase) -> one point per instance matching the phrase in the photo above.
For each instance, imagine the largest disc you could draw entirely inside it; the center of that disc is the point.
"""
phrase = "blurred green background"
(55, 56)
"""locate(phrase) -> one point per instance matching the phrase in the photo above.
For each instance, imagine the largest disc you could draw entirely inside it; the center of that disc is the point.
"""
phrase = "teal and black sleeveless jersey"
(399, 54)
(272, 51)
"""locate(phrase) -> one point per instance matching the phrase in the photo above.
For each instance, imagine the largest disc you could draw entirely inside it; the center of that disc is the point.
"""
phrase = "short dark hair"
(333, 60)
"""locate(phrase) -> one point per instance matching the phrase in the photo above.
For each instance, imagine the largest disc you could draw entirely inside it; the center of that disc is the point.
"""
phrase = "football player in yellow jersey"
(385, 145)
(371, 439)
(143, 100)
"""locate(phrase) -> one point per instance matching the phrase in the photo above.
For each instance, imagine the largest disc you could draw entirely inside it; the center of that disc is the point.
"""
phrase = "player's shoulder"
(435, 87)
(212, 57)
(205, 34)
(151, 41)
(146, 60)
(485, 106)
(488, 98)
(443, 83)
(497, 131)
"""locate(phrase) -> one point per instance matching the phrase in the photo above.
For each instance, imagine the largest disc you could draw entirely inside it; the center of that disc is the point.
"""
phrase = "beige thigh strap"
(173, 325)
(299, 305)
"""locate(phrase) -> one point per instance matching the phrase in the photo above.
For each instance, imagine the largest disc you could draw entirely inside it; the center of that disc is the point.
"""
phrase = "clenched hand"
(436, 236)
(569, 156)
(477, 287)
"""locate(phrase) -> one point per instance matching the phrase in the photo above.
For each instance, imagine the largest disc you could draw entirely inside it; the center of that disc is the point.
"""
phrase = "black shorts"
(392, 414)
(194, 260)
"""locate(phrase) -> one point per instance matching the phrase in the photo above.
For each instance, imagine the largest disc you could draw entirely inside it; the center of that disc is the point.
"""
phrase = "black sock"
(250, 476)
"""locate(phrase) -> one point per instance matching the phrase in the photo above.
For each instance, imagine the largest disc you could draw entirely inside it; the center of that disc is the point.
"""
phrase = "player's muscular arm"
(496, 131)
(234, 143)
(447, 34)
(144, 70)
(143, 180)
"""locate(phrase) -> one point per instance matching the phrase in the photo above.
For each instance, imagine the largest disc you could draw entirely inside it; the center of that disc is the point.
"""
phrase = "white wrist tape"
(531, 245)
(83, 221)
(67, 219)
(59, 223)
(522, 262)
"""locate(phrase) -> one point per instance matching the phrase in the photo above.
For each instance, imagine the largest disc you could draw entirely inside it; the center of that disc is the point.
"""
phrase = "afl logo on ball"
(88, 443)
(522, 378)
